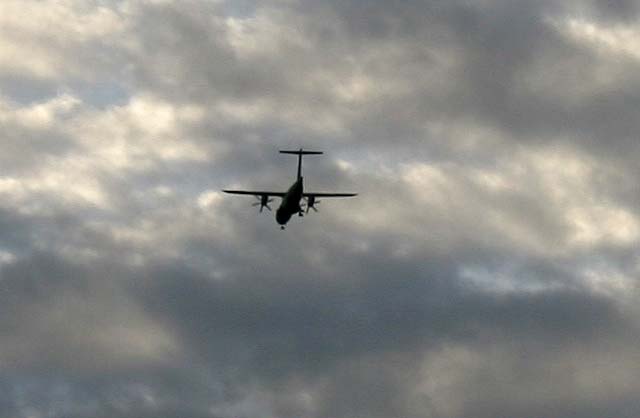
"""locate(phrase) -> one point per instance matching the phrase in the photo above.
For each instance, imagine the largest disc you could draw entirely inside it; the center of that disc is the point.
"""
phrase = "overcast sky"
(489, 267)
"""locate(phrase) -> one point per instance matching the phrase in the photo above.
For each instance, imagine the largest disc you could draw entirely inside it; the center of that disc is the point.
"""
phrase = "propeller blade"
(311, 204)
(263, 202)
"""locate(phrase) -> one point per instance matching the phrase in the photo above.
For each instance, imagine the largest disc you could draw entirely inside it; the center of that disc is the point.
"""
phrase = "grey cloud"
(617, 10)
(320, 329)
(26, 146)
(185, 54)
(26, 89)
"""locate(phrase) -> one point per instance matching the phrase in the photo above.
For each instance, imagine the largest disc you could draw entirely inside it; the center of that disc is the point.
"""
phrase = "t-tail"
(300, 153)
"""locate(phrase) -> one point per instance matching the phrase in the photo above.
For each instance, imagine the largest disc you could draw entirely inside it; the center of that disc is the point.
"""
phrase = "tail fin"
(300, 153)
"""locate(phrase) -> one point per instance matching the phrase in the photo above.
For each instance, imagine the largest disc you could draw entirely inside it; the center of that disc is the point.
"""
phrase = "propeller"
(263, 202)
(311, 203)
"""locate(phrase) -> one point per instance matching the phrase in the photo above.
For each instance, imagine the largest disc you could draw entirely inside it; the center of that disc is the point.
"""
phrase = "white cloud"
(266, 33)
(565, 181)
(618, 38)
(53, 39)
(39, 115)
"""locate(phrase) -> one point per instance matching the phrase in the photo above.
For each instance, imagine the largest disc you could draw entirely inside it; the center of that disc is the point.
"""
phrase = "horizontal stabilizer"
(301, 152)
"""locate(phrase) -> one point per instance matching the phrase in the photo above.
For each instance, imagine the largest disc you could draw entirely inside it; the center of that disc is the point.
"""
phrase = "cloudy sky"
(489, 267)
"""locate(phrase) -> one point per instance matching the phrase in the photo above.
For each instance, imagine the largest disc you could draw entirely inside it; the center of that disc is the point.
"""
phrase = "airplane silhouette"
(291, 198)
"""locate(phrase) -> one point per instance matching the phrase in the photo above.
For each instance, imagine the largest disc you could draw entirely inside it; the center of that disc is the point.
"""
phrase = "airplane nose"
(282, 217)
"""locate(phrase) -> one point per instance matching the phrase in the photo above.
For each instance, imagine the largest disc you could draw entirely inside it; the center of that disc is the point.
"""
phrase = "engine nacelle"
(263, 202)
(311, 202)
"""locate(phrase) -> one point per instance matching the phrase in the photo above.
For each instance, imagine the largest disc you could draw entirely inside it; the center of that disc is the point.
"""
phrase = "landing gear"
(282, 227)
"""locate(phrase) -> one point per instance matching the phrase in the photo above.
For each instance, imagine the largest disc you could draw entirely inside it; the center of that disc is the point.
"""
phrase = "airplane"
(291, 199)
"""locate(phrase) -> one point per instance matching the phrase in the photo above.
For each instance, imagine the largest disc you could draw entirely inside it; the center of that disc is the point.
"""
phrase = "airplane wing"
(329, 194)
(255, 193)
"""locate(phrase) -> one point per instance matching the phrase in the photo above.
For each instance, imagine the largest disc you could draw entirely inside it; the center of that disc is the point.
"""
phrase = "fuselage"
(290, 204)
